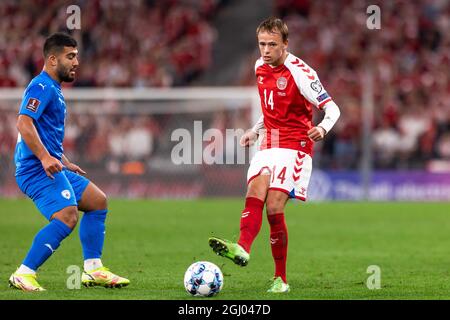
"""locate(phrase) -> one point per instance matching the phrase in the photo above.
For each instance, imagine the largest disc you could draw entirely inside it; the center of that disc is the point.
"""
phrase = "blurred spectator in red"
(172, 40)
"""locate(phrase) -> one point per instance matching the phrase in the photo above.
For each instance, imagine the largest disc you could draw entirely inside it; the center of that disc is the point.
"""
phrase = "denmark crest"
(281, 83)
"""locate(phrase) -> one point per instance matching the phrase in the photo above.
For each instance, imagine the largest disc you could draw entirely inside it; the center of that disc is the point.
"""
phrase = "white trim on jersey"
(258, 63)
(307, 81)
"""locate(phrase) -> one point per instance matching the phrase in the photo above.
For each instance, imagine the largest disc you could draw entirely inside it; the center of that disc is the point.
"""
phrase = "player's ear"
(52, 60)
(285, 44)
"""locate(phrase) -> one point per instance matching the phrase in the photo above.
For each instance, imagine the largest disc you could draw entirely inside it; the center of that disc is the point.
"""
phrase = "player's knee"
(99, 202)
(258, 187)
(72, 218)
(274, 207)
(102, 201)
(257, 191)
(69, 216)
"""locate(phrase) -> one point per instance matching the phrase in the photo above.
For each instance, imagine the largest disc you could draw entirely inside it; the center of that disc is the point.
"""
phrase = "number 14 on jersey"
(270, 101)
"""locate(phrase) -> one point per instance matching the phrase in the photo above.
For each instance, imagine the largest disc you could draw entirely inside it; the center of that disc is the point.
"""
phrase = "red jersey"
(288, 93)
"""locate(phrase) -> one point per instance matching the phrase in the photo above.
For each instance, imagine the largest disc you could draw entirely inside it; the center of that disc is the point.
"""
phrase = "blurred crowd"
(168, 43)
(130, 143)
(139, 43)
(95, 141)
(409, 58)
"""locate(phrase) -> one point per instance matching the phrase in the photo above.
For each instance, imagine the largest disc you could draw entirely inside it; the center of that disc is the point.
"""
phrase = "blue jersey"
(44, 103)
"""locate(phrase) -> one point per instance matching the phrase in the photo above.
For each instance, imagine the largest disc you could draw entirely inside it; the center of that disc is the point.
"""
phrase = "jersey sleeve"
(312, 89)
(332, 114)
(258, 125)
(309, 84)
(35, 99)
(258, 63)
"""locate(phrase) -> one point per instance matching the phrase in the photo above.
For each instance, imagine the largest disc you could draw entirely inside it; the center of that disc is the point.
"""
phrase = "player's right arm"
(35, 100)
(29, 134)
(251, 135)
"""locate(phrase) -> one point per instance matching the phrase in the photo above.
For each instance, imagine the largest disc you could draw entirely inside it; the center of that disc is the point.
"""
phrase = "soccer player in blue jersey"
(57, 187)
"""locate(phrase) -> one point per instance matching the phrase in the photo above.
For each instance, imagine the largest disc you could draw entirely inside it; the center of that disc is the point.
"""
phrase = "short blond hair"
(274, 25)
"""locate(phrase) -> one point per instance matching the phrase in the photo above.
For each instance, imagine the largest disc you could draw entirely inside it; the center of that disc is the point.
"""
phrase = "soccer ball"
(204, 279)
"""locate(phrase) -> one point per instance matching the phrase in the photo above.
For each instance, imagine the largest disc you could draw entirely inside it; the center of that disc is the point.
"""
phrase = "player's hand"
(74, 168)
(51, 166)
(248, 138)
(316, 133)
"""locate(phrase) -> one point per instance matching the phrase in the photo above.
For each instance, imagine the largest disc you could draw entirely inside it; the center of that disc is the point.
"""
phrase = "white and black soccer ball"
(204, 279)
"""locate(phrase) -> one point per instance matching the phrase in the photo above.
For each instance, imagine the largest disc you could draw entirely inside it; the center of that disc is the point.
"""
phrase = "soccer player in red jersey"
(281, 169)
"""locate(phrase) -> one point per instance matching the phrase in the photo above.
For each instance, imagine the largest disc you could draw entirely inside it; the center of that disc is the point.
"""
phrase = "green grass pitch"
(331, 245)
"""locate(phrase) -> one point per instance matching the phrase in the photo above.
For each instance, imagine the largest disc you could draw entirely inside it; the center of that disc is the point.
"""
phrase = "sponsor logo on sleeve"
(33, 104)
(316, 86)
(322, 97)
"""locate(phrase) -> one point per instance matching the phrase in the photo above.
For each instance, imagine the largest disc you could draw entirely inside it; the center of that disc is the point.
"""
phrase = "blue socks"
(92, 233)
(48, 239)
(45, 243)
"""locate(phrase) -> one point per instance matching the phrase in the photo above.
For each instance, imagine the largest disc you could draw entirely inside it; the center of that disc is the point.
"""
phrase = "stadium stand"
(148, 44)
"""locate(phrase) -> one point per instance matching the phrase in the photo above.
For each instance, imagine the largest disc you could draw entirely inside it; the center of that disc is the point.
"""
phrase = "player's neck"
(52, 75)
(280, 61)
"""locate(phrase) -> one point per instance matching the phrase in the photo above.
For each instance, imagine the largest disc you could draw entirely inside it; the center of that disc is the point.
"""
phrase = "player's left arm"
(311, 88)
(71, 166)
(332, 114)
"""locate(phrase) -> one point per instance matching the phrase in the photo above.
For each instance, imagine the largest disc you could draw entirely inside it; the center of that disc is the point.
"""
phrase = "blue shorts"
(52, 195)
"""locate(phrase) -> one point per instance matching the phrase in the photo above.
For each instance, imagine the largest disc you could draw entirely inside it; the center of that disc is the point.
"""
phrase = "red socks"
(279, 243)
(251, 221)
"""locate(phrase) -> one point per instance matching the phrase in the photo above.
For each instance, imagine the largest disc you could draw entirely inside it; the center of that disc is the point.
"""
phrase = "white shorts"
(289, 170)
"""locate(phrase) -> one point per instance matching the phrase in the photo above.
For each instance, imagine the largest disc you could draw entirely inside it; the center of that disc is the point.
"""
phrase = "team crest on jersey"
(316, 86)
(281, 83)
(33, 104)
(66, 194)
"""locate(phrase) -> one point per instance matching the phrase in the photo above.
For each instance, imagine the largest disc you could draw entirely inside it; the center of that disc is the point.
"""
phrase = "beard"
(64, 75)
